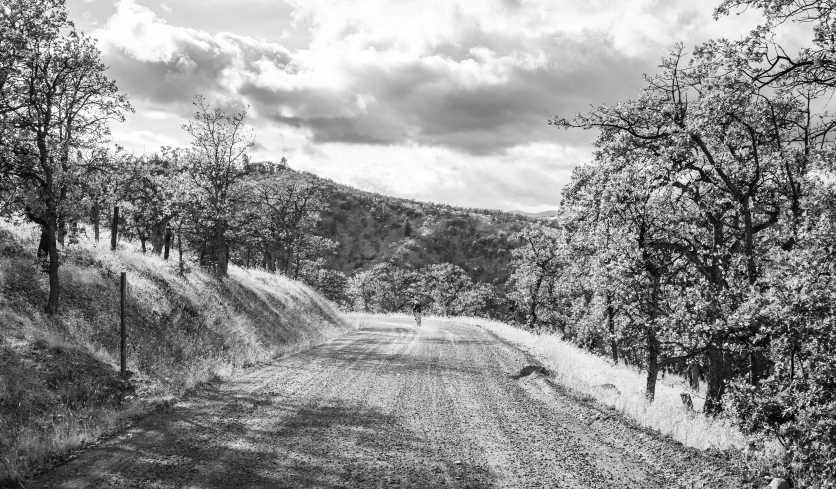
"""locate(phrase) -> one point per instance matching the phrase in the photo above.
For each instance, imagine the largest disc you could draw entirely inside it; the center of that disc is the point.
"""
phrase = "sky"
(435, 100)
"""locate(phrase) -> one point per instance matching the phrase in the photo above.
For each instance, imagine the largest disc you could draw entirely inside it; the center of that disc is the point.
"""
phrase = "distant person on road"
(416, 311)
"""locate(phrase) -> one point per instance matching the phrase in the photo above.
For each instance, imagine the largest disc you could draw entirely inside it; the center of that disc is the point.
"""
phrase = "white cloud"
(527, 178)
(158, 115)
(428, 99)
(143, 141)
(165, 7)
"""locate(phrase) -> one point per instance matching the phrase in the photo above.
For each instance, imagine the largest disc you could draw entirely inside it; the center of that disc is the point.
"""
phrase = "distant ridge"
(536, 214)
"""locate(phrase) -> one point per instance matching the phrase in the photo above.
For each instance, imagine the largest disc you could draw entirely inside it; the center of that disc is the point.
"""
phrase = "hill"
(59, 383)
(371, 228)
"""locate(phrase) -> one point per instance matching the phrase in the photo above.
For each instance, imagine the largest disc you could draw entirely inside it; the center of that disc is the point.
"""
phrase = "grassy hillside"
(370, 230)
(59, 383)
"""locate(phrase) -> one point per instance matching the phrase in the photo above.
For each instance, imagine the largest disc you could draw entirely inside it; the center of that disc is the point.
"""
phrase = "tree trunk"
(366, 298)
(269, 261)
(288, 261)
(715, 380)
(96, 219)
(652, 339)
(610, 311)
(62, 230)
(167, 245)
(143, 239)
(758, 366)
(532, 307)
(62, 219)
(158, 237)
(54, 285)
(43, 245)
(694, 375)
(220, 251)
(180, 263)
(114, 228)
(652, 363)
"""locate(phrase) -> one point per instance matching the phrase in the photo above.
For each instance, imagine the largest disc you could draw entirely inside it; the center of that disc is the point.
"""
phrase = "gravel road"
(390, 405)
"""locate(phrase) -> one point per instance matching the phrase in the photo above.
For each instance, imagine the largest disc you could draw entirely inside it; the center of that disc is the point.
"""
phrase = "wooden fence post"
(114, 228)
(123, 292)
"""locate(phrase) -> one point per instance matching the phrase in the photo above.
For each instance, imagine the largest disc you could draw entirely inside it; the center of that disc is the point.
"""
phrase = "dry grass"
(59, 384)
(585, 373)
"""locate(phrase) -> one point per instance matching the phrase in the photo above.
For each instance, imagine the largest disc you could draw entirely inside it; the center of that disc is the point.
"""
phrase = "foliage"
(216, 166)
(700, 233)
(442, 289)
(55, 100)
(537, 266)
(281, 218)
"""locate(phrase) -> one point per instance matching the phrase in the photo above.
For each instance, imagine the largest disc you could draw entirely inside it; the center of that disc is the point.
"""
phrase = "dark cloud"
(423, 102)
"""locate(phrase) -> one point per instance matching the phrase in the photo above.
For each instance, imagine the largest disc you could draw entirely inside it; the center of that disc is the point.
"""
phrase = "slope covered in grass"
(59, 382)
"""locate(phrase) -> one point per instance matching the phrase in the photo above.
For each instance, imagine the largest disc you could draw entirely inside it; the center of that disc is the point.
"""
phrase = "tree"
(481, 300)
(153, 196)
(361, 290)
(216, 167)
(55, 97)
(444, 283)
(281, 220)
(102, 183)
(332, 284)
(722, 159)
(536, 265)
(615, 210)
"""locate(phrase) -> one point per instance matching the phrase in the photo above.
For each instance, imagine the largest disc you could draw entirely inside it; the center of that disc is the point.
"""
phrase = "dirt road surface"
(390, 405)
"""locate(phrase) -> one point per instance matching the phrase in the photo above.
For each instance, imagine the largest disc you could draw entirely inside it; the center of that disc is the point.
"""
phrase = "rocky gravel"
(391, 405)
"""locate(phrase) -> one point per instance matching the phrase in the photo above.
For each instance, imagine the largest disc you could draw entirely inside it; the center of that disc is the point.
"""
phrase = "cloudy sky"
(427, 99)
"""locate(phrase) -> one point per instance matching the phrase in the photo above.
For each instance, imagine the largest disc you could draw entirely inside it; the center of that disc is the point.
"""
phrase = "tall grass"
(586, 373)
(59, 384)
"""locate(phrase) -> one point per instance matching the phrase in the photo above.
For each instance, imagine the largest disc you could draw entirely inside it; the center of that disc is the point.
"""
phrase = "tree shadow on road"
(257, 440)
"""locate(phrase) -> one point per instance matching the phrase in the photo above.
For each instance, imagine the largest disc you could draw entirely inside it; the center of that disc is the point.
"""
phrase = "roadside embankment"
(60, 387)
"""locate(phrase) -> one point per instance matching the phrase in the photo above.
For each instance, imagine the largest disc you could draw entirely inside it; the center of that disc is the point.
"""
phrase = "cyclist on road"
(416, 311)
